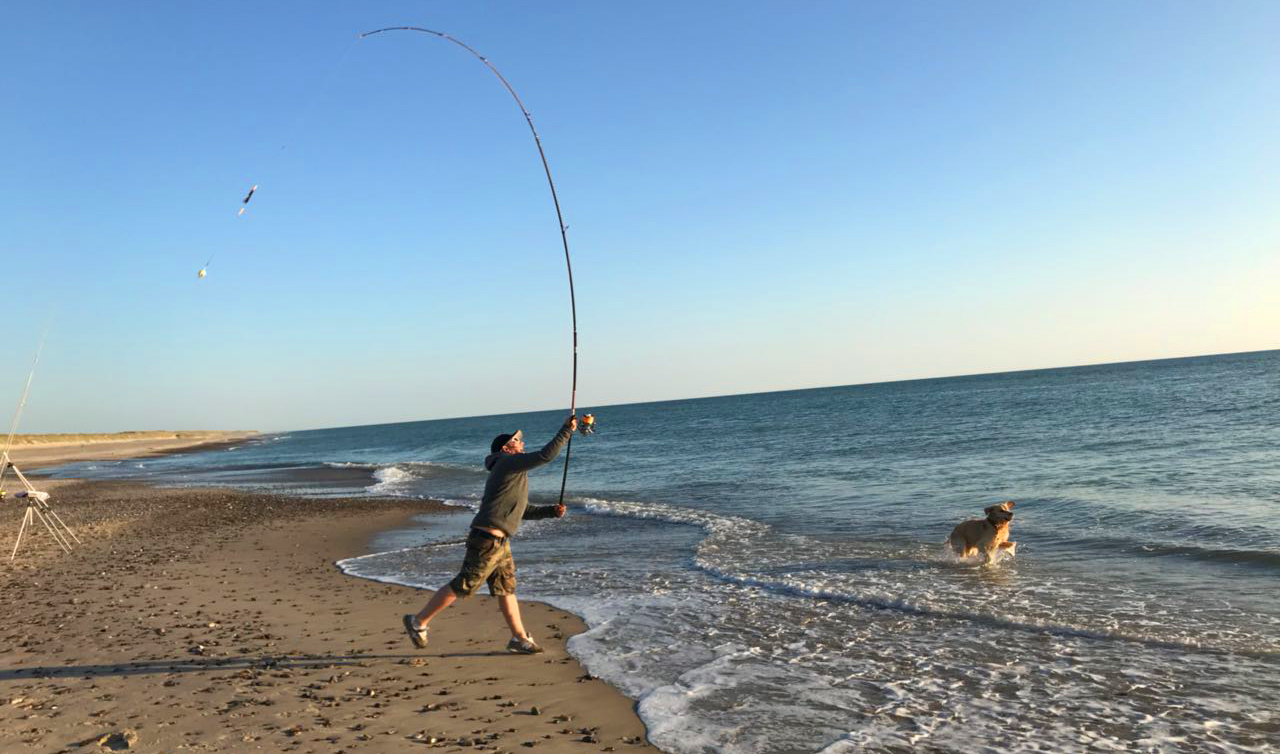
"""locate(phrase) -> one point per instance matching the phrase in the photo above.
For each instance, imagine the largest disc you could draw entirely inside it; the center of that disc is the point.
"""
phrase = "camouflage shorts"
(487, 559)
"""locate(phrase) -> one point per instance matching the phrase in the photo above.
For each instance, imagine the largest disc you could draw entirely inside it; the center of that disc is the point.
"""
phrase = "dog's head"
(1000, 514)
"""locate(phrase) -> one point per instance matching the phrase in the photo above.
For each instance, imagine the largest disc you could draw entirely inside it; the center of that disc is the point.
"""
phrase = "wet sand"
(213, 620)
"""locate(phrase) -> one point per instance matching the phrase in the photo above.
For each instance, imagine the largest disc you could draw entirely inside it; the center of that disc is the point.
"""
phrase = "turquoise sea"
(765, 573)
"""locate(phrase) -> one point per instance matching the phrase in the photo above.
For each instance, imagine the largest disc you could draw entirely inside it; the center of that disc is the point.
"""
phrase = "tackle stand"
(37, 507)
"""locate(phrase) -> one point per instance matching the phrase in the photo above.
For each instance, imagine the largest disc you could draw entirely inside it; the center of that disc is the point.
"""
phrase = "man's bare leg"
(444, 597)
(511, 611)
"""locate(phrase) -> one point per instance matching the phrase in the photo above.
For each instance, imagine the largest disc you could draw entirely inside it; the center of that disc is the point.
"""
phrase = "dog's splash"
(948, 556)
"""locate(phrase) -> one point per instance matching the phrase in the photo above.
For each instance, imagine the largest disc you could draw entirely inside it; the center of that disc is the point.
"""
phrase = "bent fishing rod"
(555, 199)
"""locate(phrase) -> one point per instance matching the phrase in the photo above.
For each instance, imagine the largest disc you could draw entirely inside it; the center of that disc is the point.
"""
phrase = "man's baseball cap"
(501, 440)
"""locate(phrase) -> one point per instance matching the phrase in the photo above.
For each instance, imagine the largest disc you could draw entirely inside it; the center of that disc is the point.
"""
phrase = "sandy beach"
(34, 451)
(213, 620)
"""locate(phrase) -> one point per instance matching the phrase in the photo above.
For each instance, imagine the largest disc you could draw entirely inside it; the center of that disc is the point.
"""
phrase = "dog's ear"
(1007, 505)
(991, 509)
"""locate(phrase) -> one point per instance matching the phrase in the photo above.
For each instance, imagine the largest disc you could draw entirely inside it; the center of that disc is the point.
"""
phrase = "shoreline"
(216, 620)
(34, 453)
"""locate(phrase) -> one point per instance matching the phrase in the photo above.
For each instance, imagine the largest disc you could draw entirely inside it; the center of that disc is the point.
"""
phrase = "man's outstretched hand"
(571, 423)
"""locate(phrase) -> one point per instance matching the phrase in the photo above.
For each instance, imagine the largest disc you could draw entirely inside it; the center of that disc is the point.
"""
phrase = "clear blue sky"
(760, 196)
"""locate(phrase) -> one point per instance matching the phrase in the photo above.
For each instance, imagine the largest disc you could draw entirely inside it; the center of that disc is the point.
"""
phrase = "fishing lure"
(246, 199)
(244, 205)
(587, 424)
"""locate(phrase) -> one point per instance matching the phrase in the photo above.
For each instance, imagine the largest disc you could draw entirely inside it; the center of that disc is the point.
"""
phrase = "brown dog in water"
(986, 536)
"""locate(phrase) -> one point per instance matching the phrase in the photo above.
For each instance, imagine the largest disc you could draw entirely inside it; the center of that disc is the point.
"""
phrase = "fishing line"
(22, 403)
(555, 199)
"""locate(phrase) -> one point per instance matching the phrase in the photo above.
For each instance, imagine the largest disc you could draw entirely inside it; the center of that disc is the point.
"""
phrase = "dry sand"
(213, 620)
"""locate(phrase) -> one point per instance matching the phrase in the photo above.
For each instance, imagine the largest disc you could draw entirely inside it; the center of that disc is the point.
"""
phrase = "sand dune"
(31, 451)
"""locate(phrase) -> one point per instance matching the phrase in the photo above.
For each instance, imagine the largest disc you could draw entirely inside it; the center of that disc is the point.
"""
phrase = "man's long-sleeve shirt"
(506, 492)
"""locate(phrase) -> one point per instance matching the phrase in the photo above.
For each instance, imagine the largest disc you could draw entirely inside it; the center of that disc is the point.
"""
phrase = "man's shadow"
(197, 665)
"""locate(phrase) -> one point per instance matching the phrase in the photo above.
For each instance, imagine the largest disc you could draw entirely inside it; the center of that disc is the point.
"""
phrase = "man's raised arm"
(526, 461)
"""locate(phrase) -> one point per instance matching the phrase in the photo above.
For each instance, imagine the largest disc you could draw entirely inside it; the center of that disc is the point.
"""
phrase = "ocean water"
(765, 573)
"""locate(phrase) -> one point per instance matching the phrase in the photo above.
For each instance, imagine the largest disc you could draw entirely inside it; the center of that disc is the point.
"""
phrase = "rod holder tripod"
(37, 507)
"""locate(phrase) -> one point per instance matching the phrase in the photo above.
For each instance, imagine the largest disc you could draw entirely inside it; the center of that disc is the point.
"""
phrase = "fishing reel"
(587, 425)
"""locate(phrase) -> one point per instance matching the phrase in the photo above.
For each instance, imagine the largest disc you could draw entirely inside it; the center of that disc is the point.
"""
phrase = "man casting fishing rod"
(504, 505)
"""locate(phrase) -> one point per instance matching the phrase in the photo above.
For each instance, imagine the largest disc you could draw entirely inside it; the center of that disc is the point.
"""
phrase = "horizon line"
(790, 390)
